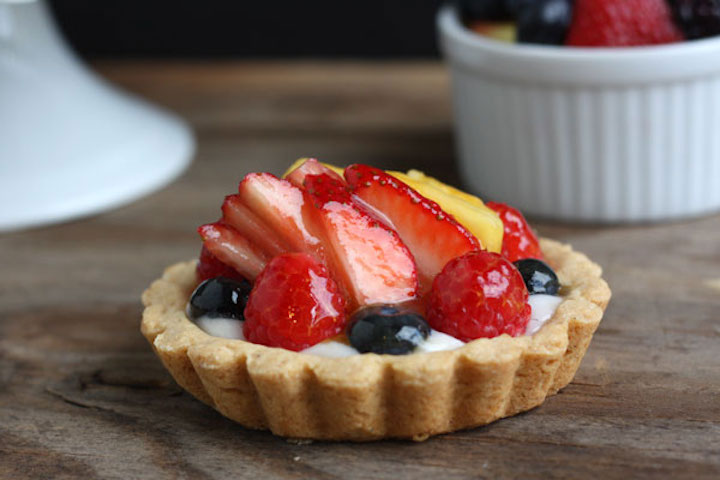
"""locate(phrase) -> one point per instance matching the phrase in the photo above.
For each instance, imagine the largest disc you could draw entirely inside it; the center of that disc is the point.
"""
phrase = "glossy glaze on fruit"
(538, 276)
(219, 297)
(387, 329)
(294, 304)
(368, 257)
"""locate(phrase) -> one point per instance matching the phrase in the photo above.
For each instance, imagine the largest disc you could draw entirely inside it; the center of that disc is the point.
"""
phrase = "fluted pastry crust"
(369, 396)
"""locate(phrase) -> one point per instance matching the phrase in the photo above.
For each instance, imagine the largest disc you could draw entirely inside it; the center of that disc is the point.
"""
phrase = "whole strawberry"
(519, 241)
(294, 304)
(622, 23)
(479, 295)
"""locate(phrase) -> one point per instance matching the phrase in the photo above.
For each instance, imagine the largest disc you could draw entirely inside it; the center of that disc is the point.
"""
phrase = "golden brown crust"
(368, 397)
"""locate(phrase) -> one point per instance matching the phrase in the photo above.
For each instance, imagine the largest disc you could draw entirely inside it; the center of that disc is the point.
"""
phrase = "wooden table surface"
(82, 395)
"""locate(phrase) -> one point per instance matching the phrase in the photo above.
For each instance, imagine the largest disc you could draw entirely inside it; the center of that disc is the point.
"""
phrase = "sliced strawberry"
(250, 226)
(210, 267)
(433, 236)
(310, 167)
(368, 257)
(282, 207)
(232, 249)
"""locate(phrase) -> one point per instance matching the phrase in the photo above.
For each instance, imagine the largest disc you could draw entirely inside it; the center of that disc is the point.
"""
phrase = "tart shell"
(369, 397)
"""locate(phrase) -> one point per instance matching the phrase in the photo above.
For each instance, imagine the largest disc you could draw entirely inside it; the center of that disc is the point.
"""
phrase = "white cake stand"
(70, 144)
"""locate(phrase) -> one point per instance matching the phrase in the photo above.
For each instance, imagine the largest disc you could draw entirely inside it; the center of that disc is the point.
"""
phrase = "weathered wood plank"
(82, 396)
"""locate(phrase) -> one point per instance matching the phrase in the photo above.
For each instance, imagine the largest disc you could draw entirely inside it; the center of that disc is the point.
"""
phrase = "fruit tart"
(361, 304)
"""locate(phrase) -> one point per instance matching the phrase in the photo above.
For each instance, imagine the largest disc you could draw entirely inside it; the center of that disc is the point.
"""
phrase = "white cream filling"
(221, 327)
(331, 348)
(543, 308)
(438, 341)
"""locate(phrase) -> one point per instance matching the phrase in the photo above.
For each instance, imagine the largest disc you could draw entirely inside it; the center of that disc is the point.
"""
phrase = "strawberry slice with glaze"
(368, 258)
(283, 208)
(433, 236)
(310, 167)
(250, 226)
(210, 267)
(232, 249)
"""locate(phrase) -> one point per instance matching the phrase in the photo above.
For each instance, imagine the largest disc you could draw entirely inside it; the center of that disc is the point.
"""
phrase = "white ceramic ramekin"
(608, 135)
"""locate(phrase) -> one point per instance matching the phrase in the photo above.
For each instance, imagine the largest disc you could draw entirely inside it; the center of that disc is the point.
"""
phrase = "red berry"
(622, 23)
(210, 267)
(519, 241)
(366, 256)
(479, 295)
(294, 304)
(433, 236)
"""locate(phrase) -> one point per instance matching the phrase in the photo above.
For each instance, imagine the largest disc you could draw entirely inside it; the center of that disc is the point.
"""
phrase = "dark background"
(249, 28)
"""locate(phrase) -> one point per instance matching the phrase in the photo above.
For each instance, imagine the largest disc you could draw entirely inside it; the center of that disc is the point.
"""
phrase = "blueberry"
(697, 18)
(538, 276)
(543, 21)
(219, 297)
(387, 329)
(484, 10)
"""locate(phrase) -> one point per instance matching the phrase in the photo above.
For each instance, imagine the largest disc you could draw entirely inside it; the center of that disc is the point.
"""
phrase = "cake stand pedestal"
(72, 145)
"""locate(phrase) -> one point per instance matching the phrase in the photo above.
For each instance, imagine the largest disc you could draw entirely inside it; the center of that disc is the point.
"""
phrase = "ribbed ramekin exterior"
(591, 154)
(602, 151)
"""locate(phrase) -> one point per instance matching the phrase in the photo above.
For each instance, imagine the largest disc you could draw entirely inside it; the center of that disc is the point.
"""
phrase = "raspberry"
(519, 241)
(294, 304)
(210, 267)
(621, 23)
(479, 295)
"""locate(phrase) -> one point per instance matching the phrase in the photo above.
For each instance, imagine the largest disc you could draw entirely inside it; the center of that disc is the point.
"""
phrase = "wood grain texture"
(82, 395)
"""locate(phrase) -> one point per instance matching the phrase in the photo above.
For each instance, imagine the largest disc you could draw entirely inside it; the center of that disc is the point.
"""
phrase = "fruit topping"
(479, 295)
(621, 23)
(485, 9)
(433, 236)
(219, 297)
(242, 219)
(538, 276)
(300, 161)
(519, 241)
(387, 329)
(309, 166)
(210, 267)
(232, 249)
(543, 21)
(294, 304)
(697, 18)
(366, 256)
(282, 207)
(501, 31)
(467, 209)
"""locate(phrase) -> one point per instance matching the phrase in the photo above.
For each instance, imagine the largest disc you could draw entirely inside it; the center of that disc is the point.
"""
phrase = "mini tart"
(369, 397)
